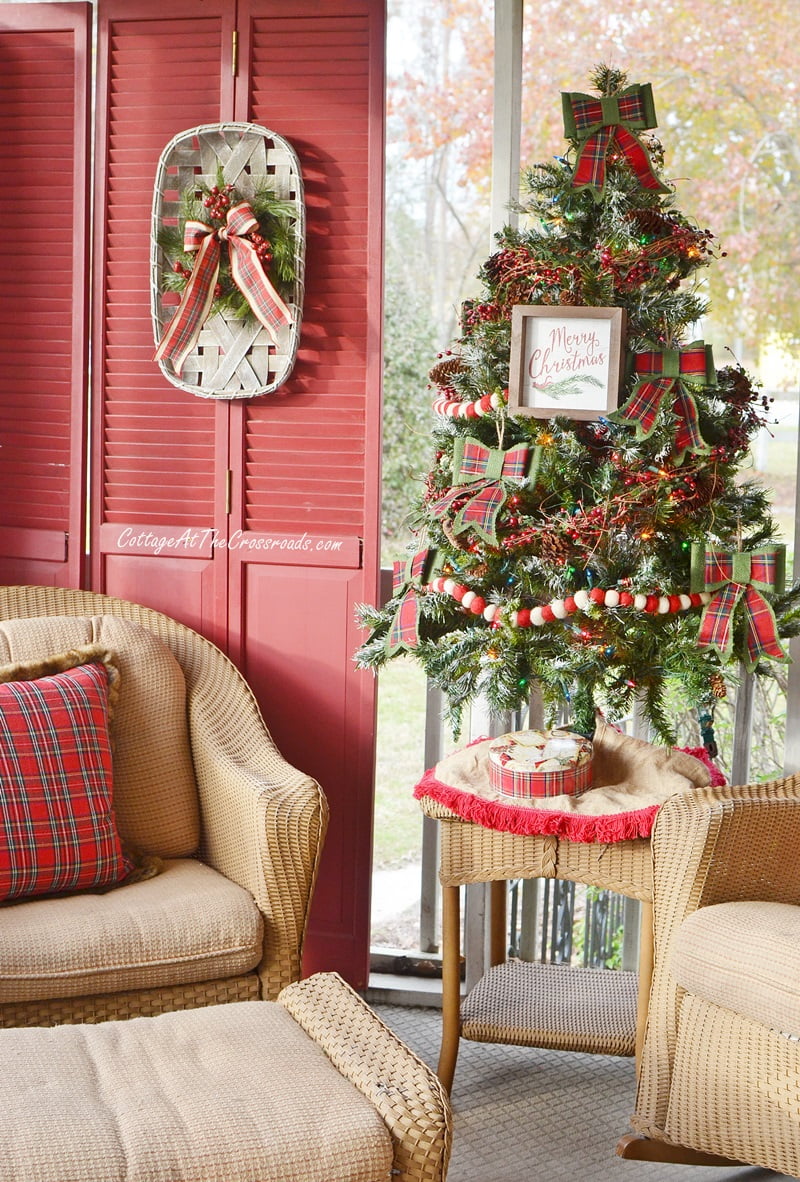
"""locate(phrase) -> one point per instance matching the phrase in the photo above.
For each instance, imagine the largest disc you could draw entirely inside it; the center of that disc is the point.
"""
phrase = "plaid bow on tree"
(599, 123)
(407, 579)
(663, 372)
(736, 577)
(486, 471)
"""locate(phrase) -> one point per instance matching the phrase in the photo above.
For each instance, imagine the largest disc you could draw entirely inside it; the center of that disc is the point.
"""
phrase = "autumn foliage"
(728, 99)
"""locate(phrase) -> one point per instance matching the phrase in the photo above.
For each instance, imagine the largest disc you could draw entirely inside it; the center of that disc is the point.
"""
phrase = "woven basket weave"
(233, 358)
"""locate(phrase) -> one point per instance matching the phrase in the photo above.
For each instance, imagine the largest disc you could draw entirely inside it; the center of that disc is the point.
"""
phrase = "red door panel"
(44, 105)
(298, 659)
(159, 453)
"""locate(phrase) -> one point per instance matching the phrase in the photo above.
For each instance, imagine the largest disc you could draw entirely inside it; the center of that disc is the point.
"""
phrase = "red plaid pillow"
(57, 827)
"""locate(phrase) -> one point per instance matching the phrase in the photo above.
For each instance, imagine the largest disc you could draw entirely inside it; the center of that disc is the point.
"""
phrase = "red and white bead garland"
(559, 609)
(453, 409)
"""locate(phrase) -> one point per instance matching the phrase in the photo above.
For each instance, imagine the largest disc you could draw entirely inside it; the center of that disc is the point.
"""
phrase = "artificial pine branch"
(608, 80)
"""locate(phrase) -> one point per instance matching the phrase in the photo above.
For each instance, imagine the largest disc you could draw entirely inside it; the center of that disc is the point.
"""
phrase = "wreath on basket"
(247, 280)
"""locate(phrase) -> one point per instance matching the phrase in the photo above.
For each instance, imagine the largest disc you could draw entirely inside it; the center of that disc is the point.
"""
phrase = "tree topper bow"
(666, 371)
(182, 332)
(734, 577)
(597, 123)
(482, 472)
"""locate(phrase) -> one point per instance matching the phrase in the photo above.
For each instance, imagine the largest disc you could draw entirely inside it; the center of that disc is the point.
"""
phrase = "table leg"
(451, 984)
(645, 976)
(498, 940)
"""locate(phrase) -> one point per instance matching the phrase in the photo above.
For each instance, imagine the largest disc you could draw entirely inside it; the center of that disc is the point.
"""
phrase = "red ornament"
(524, 617)
(597, 595)
(625, 599)
(459, 592)
(570, 605)
(547, 613)
(477, 606)
(674, 603)
(652, 604)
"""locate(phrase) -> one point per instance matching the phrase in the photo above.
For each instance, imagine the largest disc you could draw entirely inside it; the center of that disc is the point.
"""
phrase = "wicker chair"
(234, 831)
(720, 1070)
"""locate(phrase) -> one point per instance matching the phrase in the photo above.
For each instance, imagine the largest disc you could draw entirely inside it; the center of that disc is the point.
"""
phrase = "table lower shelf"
(554, 1006)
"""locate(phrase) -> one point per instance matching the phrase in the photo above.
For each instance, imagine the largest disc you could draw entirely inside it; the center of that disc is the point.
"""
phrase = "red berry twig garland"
(560, 609)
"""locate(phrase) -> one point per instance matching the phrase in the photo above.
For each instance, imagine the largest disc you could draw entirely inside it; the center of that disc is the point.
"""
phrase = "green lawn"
(401, 735)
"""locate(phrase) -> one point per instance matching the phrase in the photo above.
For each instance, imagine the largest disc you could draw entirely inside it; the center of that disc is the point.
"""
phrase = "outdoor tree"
(726, 79)
(408, 344)
(602, 555)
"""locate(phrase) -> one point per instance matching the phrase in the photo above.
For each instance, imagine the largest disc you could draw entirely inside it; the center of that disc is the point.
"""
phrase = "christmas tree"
(593, 556)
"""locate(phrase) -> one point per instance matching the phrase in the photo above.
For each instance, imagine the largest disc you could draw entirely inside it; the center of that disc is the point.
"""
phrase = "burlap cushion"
(744, 956)
(186, 924)
(155, 793)
(226, 1093)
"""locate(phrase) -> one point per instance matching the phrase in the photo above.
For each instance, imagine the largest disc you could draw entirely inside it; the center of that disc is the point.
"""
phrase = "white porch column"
(507, 112)
(506, 129)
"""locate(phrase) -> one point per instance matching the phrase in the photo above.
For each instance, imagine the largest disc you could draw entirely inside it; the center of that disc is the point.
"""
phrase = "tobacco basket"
(233, 358)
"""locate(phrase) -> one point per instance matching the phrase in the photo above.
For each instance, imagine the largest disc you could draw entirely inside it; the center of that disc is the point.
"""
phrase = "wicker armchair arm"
(709, 846)
(263, 821)
(405, 1092)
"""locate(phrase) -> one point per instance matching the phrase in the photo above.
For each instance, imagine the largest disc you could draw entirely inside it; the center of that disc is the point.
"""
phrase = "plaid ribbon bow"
(485, 470)
(407, 578)
(181, 334)
(664, 372)
(736, 577)
(597, 123)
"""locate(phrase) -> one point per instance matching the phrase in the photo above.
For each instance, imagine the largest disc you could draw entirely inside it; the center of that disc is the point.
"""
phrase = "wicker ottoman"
(311, 1087)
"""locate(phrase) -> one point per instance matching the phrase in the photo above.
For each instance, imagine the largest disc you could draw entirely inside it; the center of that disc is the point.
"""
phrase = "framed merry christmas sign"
(565, 361)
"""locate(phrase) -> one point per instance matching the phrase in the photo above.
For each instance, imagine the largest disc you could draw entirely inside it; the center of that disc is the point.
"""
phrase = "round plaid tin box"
(540, 763)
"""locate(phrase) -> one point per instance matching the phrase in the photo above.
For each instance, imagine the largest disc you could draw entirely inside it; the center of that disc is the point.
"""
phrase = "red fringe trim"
(602, 828)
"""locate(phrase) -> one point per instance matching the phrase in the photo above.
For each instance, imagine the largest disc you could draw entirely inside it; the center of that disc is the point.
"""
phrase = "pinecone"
(718, 688)
(554, 547)
(442, 371)
(457, 541)
(650, 221)
(707, 488)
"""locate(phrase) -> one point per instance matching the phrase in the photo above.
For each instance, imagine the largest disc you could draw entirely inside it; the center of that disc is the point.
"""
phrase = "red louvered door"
(306, 461)
(44, 70)
(289, 481)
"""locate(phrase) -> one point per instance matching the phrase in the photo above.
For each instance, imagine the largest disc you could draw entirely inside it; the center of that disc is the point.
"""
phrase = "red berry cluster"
(588, 525)
(218, 201)
(480, 313)
(625, 273)
(508, 264)
(263, 246)
(185, 272)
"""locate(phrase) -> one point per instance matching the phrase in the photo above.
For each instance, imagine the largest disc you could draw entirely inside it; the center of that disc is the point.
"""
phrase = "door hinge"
(235, 52)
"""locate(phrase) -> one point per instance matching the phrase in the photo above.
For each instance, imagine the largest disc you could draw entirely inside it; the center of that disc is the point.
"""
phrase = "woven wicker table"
(592, 1010)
